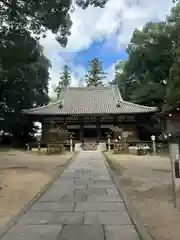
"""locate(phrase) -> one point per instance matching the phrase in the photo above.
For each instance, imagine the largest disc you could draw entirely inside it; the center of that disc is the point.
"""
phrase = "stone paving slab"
(82, 232)
(52, 218)
(93, 198)
(83, 204)
(36, 232)
(53, 207)
(120, 233)
(109, 218)
(84, 182)
(92, 192)
(53, 197)
(112, 193)
(74, 197)
(101, 186)
(99, 207)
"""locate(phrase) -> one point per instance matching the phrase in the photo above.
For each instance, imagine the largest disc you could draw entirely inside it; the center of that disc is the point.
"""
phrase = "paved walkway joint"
(83, 204)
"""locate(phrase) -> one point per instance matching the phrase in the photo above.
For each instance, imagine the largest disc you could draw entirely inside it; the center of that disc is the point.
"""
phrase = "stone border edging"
(42, 191)
(142, 231)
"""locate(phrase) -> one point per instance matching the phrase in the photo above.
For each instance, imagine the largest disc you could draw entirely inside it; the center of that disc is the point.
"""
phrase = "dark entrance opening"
(76, 133)
(104, 132)
(90, 133)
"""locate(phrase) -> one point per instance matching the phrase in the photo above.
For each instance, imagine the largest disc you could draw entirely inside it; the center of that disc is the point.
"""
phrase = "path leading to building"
(83, 204)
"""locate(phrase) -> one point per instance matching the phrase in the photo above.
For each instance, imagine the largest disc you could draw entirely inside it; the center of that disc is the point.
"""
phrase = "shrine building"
(89, 113)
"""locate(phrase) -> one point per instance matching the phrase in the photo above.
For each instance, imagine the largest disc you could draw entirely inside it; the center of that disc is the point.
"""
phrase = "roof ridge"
(41, 107)
(64, 91)
(117, 92)
(136, 104)
(90, 87)
(114, 94)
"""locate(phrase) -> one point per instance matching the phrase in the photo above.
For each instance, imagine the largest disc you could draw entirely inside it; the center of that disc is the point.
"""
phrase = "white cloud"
(116, 22)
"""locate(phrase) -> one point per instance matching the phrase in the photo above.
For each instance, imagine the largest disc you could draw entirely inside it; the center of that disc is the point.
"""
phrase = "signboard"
(106, 125)
(72, 118)
(73, 126)
(125, 118)
(90, 126)
(90, 118)
(105, 118)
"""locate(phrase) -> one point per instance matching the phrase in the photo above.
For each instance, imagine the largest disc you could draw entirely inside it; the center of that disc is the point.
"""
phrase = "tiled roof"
(90, 100)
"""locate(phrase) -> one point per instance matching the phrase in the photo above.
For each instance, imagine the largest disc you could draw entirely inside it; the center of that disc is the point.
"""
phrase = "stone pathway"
(83, 204)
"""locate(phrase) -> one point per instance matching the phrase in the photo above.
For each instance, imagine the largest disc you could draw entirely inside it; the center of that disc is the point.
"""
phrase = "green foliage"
(149, 62)
(121, 139)
(150, 76)
(58, 134)
(65, 80)
(117, 131)
(57, 138)
(23, 80)
(122, 80)
(95, 74)
(24, 71)
(173, 83)
(39, 16)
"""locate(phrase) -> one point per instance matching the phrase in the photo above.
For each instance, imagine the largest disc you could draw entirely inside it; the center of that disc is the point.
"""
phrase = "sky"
(102, 33)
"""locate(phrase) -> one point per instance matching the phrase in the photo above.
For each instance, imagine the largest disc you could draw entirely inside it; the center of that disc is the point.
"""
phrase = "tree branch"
(7, 4)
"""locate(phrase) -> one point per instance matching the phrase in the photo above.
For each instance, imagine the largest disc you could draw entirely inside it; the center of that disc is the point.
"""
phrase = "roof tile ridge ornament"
(119, 103)
(60, 106)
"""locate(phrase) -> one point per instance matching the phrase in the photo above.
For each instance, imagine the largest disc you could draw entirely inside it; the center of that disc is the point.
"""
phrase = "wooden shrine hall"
(89, 112)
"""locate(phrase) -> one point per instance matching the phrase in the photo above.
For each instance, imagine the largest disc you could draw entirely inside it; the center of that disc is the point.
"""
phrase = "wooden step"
(90, 145)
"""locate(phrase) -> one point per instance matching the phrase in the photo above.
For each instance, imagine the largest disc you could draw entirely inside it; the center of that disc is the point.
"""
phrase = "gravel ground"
(147, 181)
(22, 175)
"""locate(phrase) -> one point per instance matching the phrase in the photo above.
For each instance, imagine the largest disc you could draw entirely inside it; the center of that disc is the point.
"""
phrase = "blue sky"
(102, 33)
(109, 56)
(96, 49)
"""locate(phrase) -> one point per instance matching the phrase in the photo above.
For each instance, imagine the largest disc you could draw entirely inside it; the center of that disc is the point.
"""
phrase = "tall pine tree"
(95, 75)
(65, 80)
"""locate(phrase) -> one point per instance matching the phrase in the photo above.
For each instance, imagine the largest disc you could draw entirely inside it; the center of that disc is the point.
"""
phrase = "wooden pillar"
(82, 129)
(115, 120)
(45, 129)
(65, 123)
(98, 126)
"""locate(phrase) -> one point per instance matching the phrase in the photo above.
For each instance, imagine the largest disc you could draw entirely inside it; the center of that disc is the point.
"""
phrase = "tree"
(145, 66)
(150, 76)
(95, 74)
(65, 80)
(143, 77)
(122, 80)
(154, 63)
(57, 135)
(173, 84)
(24, 80)
(42, 15)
